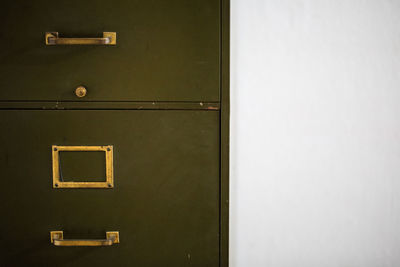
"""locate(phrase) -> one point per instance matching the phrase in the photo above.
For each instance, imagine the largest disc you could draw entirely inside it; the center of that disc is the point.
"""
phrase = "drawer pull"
(57, 239)
(109, 38)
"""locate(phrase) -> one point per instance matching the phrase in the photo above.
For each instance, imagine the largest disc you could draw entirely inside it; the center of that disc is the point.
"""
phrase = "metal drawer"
(165, 50)
(164, 202)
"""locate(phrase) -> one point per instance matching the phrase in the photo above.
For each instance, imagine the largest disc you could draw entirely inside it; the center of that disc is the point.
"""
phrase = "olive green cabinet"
(119, 142)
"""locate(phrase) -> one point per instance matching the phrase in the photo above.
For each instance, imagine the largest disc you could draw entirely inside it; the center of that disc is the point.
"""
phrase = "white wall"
(315, 175)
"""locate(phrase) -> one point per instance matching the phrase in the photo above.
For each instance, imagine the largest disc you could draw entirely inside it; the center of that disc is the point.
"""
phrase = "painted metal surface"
(160, 95)
(165, 200)
(224, 134)
(166, 50)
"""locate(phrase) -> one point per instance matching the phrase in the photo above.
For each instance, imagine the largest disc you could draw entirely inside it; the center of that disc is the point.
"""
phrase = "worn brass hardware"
(80, 91)
(109, 38)
(57, 181)
(57, 238)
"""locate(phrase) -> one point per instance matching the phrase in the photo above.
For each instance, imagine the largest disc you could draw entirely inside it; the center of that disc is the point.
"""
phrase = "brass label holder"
(58, 183)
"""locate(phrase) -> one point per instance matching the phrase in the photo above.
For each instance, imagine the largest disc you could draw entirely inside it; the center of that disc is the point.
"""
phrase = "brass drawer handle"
(109, 38)
(57, 238)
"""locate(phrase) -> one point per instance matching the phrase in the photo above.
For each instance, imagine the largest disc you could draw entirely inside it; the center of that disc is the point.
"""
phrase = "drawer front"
(165, 51)
(164, 203)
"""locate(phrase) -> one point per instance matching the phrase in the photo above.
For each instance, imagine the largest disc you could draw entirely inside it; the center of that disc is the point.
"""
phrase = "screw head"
(56, 185)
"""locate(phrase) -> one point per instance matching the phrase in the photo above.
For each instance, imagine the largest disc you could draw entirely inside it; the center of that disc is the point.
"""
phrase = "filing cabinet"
(115, 133)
